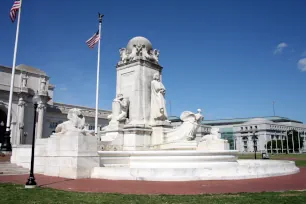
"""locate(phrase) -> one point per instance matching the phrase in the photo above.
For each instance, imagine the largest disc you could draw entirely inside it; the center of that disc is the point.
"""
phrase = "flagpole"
(6, 146)
(98, 77)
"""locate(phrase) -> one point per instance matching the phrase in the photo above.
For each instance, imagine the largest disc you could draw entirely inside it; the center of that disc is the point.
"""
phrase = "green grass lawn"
(11, 193)
(301, 162)
(273, 156)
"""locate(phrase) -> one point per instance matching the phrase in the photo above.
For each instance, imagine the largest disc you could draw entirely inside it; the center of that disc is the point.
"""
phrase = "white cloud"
(280, 47)
(302, 64)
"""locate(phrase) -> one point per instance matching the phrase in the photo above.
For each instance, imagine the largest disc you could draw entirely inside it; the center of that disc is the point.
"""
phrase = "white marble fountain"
(139, 143)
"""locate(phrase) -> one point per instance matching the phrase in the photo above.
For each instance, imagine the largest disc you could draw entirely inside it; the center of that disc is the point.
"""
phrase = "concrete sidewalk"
(280, 183)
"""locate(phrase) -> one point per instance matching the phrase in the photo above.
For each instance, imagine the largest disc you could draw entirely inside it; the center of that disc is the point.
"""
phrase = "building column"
(44, 98)
(281, 133)
(304, 142)
(20, 132)
(40, 122)
(299, 141)
(234, 143)
(276, 142)
(271, 146)
(287, 142)
(266, 142)
(238, 145)
(292, 142)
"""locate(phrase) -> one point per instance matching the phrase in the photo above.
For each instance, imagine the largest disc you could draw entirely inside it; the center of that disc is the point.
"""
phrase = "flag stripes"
(14, 10)
(91, 42)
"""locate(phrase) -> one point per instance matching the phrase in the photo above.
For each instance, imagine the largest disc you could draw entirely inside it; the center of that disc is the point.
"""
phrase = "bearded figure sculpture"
(75, 123)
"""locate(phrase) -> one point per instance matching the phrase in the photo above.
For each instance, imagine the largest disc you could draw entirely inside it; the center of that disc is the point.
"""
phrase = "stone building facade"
(241, 133)
(28, 81)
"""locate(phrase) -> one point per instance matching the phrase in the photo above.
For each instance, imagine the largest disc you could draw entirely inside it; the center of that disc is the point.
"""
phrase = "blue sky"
(229, 58)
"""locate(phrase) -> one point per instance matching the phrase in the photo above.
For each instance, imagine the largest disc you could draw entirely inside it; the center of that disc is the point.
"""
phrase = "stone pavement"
(4, 157)
(7, 168)
(280, 183)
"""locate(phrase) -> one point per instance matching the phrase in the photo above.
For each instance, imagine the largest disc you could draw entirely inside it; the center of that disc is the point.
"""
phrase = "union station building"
(28, 81)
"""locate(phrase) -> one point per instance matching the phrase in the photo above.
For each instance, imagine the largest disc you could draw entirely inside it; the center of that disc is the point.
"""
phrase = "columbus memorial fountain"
(140, 143)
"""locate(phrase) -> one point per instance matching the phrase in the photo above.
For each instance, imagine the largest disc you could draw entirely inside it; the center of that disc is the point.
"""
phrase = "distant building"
(240, 132)
(28, 81)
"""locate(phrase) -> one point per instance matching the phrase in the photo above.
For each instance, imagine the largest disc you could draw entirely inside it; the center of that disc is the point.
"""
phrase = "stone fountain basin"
(186, 165)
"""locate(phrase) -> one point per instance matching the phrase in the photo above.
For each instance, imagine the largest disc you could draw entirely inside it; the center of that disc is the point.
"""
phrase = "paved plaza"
(280, 183)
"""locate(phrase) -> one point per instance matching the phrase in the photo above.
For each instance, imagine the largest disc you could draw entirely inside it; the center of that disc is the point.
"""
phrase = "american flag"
(14, 10)
(91, 42)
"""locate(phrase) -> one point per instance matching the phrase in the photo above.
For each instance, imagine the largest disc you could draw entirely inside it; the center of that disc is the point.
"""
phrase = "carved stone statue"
(213, 141)
(43, 84)
(214, 135)
(158, 103)
(136, 52)
(75, 123)
(145, 54)
(24, 80)
(155, 54)
(123, 108)
(124, 56)
(186, 131)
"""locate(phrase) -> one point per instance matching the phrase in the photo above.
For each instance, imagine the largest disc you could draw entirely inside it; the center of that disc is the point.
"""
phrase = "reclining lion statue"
(75, 123)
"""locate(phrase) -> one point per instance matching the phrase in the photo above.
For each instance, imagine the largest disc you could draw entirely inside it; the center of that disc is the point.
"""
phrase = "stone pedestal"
(69, 156)
(40, 155)
(158, 133)
(213, 145)
(137, 137)
(112, 135)
(112, 140)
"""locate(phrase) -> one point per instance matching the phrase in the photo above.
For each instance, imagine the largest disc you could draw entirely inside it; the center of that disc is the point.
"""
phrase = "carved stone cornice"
(44, 98)
(140, 62)
(41, 106)
(24, 90)
(21, 102)
(87, 112)
(23, 94)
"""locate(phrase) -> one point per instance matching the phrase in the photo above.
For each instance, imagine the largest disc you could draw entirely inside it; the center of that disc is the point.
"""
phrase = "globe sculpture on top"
(138, 48)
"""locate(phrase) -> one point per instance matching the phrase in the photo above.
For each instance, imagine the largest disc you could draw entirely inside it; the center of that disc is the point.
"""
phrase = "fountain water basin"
(184, 165)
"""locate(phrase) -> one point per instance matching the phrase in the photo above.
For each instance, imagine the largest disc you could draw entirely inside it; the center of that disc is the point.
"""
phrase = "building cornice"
(87, 111)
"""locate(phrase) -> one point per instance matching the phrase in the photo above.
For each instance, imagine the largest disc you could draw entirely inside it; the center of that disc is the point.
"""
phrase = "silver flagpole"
(6, 146)
(98, 76)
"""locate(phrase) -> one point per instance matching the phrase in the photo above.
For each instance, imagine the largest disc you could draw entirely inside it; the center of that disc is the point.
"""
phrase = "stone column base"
(137, 137)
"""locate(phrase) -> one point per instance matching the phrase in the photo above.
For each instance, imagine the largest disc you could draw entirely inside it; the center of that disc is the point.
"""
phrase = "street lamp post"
(31, 183)
(255, 144)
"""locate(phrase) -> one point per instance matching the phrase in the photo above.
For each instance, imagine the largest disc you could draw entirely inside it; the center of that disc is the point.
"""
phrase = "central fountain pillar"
(135, 71)
(134, 82)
